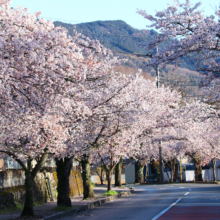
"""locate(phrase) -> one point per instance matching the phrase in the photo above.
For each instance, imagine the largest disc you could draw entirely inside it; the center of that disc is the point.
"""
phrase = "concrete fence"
(207, 175)
(189, 175)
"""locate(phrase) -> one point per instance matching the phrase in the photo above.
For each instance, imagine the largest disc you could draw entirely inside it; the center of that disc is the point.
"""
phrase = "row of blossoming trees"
(61, 97)
(194, 37)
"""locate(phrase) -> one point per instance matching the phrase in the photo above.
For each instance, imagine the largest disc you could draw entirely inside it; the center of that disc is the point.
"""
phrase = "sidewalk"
(48, 212)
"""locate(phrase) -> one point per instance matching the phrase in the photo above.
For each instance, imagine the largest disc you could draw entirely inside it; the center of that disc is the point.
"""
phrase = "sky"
(81, 11)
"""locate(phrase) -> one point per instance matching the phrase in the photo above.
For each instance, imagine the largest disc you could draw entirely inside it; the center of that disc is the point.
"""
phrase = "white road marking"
(165, 210)
(186, 193)
(182, 187)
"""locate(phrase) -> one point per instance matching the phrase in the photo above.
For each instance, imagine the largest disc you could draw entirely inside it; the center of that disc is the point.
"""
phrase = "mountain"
(120, 37)
(115, 35)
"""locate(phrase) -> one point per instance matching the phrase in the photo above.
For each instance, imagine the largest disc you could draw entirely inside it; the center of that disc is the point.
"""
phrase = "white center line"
(165, 210)
(186, 193)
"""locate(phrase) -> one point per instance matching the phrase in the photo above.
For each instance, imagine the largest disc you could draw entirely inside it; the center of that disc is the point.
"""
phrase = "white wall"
(165, 177)
(206, 175)
(130, 173)
(96, 179)
(190, 176)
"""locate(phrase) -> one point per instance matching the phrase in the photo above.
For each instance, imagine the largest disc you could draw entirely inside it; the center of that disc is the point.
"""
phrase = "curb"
(88, 206)
(179, 183)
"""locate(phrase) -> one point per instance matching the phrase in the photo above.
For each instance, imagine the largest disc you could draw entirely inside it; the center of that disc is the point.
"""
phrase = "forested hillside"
(116, 35)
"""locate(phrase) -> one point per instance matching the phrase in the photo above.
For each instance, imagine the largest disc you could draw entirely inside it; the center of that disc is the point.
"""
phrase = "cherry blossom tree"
(192, 36)
(173, 150)
(156, 127)
(93, 92)
(204, 139)
(29, 139)
(40, 62)
(41, 70)
(189, 34)
(102, 98)
(195, 121)
(137, 108)
(211, 136)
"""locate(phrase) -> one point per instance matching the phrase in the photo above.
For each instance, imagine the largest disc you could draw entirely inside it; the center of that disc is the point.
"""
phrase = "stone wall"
(76, 184)
(11, 178)
(11, 196)
(42, 189)
(75, 181)
(12, 186)
(1, 163)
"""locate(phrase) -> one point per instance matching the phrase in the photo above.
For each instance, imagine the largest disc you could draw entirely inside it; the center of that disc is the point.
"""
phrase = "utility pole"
(160, 142)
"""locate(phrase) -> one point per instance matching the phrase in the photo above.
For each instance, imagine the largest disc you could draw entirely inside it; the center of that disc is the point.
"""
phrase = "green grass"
(110, 193)
(37, 203)
(18, 207)
(62, 208)
(93, 185)
(11, 209)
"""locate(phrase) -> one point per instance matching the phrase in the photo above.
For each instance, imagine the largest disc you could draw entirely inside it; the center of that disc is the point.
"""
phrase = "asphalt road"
(170, 201)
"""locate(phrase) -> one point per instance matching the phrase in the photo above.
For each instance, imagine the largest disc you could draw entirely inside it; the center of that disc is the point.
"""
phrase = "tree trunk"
(139, 173)
(198, 170)
(30, 174)
(101, 177)
(172, 170)
(197, 167)
(118, 169)
(106, 176)
(63, 172)
(145, 178)
(214, 174)
(99, 171)
(28, 209)
(176, 170)
(87, 187)
(109, 180)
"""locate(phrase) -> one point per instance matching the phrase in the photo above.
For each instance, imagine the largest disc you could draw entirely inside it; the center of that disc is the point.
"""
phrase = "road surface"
(162, 202)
